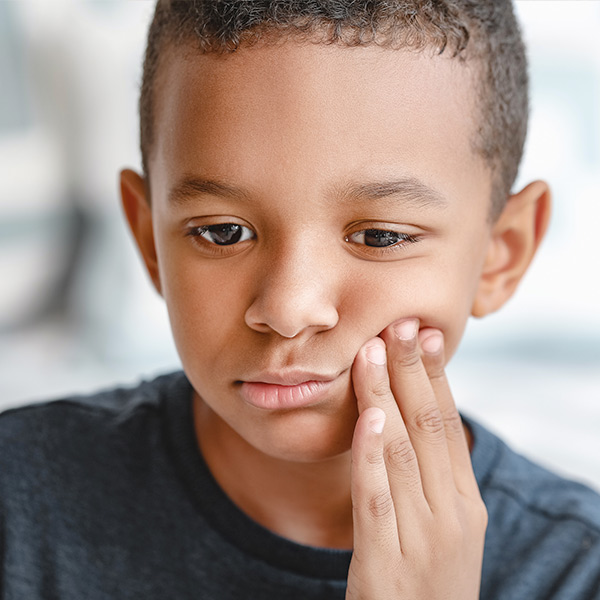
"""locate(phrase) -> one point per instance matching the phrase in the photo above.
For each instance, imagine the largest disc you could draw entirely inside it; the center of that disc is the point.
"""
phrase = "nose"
(295, 294)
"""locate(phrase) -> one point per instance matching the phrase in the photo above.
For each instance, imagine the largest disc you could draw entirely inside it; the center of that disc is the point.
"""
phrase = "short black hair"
(485, 32)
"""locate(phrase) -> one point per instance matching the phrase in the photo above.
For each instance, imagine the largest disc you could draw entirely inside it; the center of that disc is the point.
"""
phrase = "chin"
(306, 436)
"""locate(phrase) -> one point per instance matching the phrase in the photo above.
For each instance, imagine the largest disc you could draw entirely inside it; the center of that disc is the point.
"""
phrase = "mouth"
(287, 391)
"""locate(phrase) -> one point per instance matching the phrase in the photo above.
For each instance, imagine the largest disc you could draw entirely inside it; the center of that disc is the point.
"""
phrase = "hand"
(419, 520)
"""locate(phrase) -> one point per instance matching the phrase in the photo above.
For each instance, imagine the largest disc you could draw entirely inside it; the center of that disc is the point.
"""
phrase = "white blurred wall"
(77, 311)
(532, 371)
(80, 68)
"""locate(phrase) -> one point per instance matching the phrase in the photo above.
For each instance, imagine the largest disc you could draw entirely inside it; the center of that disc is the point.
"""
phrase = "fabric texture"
(107, 497)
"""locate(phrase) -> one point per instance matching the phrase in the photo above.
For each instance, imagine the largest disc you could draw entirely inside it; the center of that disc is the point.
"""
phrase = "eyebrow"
(410, 190)
(191, 187)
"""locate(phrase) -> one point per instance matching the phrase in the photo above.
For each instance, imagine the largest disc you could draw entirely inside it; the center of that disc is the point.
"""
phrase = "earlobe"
(139, 216)
(514, 240)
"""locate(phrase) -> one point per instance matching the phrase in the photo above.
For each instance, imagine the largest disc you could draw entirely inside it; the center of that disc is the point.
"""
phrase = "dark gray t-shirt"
(107, 497)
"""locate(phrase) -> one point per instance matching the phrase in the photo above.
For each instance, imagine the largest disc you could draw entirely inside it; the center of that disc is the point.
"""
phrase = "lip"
(286, 391)
(290, 378)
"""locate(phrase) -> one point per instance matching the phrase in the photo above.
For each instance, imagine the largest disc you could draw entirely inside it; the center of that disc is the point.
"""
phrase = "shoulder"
(505, 474)
(543, 538)
(40, 438)
(85, 491)
(119, 404)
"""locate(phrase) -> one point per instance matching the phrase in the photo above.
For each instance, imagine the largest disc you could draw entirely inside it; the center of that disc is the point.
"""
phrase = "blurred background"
(78, 313)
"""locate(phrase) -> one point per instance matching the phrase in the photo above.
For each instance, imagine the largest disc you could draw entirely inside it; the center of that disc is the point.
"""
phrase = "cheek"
(206, 310)
(439, 297)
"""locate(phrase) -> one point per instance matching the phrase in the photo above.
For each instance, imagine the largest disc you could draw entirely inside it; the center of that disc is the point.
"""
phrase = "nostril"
(293, 296)
(290, 319)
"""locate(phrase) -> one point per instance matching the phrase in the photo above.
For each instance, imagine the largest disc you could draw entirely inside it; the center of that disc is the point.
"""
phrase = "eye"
(223, 234)
(380, 238)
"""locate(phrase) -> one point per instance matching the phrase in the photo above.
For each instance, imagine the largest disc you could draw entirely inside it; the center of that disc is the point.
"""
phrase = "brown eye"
(224, 234)
(379, 238)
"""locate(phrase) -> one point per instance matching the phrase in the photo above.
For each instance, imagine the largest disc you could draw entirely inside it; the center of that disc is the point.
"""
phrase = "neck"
(308, 503)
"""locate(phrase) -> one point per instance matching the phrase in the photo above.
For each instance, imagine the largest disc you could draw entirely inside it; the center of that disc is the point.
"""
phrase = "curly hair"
(484, 32)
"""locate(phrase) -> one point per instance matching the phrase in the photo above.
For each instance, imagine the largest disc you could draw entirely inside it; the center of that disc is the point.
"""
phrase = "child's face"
(308, 144)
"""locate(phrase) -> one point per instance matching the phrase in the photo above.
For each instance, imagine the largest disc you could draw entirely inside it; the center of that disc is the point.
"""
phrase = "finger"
(374, 517)
(372, 388)
(420, 411)
(432, 346)
(371, 382)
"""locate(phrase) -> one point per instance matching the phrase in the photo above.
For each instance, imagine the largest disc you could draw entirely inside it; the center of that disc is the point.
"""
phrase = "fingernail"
(432, 344)
(376, 424)
(376, 354)
(406, 330)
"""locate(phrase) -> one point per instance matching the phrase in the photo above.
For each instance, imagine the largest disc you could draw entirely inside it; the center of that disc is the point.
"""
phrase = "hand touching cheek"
(419, 520)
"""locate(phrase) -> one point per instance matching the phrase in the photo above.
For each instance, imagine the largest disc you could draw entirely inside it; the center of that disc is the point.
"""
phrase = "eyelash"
(404, 238)
(198, 234)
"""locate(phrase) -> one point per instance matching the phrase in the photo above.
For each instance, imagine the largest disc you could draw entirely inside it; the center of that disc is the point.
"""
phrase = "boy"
(325, 200)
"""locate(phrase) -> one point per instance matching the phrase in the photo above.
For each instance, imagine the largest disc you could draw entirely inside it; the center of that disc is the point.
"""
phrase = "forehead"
(310, 114)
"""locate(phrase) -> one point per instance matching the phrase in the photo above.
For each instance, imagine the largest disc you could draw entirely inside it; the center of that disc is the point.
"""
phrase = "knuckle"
(475, 515)
(400, 454)
(429, 421)
(484, 519)
(381, 390)
(407, 361)
(380, 505)
(374, 457)
(453, 424)
(480, 514)
(436, 370)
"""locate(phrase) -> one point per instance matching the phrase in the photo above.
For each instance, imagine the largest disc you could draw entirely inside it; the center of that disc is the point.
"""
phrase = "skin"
(292, 130)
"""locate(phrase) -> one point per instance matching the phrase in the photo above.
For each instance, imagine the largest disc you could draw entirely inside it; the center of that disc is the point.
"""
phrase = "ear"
(139, 216)
(515, 238)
